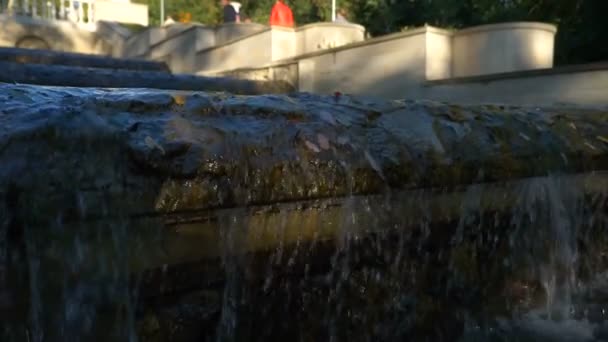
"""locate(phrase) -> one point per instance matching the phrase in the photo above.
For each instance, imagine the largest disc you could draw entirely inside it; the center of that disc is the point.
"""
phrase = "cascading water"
(137, 215)
(546, 226)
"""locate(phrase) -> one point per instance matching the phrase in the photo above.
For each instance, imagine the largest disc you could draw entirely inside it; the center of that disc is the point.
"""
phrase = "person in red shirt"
(281, 15)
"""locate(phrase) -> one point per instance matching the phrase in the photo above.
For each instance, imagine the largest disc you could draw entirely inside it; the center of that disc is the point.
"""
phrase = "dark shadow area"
(32, 42)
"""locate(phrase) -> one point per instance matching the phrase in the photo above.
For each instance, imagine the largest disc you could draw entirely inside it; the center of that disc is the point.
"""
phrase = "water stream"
(112, 237)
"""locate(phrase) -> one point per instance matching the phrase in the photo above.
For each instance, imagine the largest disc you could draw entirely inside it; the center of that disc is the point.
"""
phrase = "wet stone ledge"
(83, 153)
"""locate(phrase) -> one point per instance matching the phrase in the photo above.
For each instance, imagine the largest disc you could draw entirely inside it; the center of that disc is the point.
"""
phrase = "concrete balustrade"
(276, 44)
(408, 64)
(191, 48)
(334, 51)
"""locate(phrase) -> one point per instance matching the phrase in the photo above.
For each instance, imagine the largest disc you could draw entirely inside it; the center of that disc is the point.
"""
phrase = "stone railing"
(82, 12)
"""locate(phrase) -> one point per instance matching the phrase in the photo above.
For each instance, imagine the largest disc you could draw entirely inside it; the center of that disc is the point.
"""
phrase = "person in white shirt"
(237, 9)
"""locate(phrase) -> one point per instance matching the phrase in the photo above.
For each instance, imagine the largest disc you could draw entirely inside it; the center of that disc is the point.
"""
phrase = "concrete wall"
(475, 51)
(390, 64)
(123, 12)
(274, 44)
(178, 51)
(158, 34)
(386, 66)
(288, 72)
(140, 44)
(500, 48)
(439, 53)
(283, 44)
(137, 45)
(115, 33)
(575, 85)
(381, 68)
(321, 36)
(229, 32)
(253, 51)
(580, 85)
(187, 48)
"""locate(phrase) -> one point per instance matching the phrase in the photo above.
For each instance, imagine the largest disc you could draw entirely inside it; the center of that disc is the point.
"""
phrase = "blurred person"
(237, 9)
(281, 15)
(169, 20)
(229, 12)
(341, 16)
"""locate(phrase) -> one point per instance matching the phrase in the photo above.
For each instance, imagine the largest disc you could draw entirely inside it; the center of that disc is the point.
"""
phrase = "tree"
(202, 11)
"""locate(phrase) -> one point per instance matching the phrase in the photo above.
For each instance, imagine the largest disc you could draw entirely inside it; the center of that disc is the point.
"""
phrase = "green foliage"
(580, 22)
(203, 11)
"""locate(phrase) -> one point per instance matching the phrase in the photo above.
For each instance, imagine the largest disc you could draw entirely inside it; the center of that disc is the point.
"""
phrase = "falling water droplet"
(151, 143)
(374, 164)
(312, 146)
(323, 141)
(327, 117)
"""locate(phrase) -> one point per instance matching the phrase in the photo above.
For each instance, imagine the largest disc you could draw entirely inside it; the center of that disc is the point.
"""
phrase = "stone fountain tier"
(49, 57)
(295, 205)
(97, 75)
(86, 153)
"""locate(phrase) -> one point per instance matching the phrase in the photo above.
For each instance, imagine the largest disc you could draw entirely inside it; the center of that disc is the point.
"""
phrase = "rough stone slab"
(70, 76)
(82, 153)
(48, 57)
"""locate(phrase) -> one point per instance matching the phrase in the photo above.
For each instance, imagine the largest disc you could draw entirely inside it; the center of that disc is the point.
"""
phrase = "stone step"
(76, 76)
(47, 57)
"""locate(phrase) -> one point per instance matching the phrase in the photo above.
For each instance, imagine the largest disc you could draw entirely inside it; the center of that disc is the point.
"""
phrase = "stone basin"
(187, 216)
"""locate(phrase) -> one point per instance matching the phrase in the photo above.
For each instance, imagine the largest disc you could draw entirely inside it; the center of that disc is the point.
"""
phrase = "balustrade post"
(80, 12)
(90, 12)
(25, 6)
(10, 6)
(62, 10)
(34, 8)
(72, 11)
